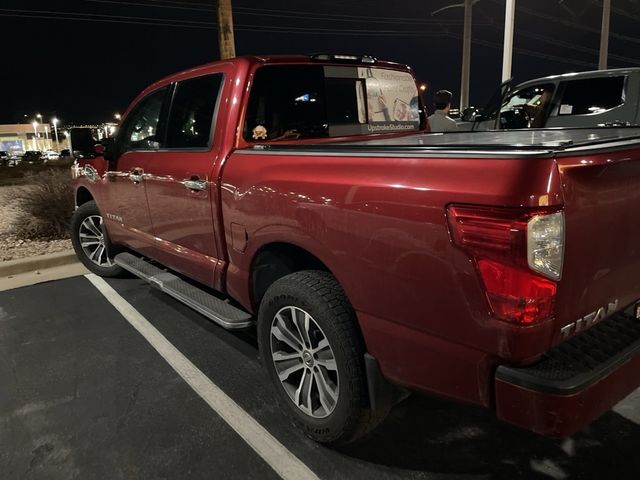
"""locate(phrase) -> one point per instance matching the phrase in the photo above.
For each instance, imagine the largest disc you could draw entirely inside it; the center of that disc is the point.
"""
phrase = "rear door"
(180, 189)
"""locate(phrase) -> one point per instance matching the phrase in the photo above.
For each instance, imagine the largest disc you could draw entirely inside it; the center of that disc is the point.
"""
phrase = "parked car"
(50, 155)
(65, 154)
(495, 268)
(33, 156)
(600, 98)
(10, 159)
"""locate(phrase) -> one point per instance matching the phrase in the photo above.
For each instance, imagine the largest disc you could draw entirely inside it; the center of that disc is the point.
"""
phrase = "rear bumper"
(575, 382)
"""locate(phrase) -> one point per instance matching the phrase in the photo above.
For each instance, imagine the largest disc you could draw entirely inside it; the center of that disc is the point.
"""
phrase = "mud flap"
(382, 394)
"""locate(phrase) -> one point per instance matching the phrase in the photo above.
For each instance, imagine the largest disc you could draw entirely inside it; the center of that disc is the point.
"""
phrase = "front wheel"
(313, 352)
(89, 241)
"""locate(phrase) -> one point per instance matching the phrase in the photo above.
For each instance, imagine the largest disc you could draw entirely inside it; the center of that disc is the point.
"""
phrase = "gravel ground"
(12, 248)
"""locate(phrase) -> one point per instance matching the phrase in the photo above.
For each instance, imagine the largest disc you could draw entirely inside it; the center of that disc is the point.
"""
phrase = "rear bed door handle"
(195, 184)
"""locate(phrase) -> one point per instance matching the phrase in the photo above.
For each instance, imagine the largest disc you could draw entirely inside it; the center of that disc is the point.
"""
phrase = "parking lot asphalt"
(84, 395)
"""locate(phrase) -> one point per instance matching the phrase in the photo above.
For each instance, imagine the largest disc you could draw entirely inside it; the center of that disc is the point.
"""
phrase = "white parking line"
(285, 463)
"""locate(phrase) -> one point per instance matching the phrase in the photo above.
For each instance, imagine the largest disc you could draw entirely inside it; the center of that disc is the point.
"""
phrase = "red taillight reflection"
(516, 295)
(497, 240)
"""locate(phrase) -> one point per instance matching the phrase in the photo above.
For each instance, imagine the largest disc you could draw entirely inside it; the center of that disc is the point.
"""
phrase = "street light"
(35, 134)
(54, 120)
(117, 116)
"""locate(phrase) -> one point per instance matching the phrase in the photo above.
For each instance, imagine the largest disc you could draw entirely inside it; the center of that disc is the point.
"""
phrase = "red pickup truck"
(303, 194)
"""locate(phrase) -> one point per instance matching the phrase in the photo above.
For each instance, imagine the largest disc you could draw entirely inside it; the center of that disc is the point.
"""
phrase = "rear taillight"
(518, 254)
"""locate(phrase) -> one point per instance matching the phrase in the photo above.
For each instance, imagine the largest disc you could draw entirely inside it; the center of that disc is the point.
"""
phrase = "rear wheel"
(313, 352)
(90, 242)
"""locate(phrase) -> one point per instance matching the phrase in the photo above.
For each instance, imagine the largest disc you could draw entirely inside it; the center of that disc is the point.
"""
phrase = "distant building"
(21, 137)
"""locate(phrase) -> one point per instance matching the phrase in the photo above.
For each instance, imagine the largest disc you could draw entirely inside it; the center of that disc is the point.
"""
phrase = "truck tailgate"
(601, 270)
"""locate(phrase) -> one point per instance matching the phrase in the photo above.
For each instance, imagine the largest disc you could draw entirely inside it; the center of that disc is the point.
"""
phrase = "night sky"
(84, 60)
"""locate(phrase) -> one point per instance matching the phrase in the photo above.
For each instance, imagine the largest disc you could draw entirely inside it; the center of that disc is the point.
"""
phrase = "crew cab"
(305, 196)
(598, 98)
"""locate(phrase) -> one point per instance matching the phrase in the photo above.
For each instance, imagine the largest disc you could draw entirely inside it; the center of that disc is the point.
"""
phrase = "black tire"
(89, 212)
(321, 296)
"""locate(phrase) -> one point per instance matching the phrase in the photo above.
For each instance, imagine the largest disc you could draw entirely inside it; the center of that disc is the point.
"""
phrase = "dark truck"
(303, 195)
(601, 98)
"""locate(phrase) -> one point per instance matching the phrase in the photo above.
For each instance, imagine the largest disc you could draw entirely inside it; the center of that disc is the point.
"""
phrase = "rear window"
(192, 110)
(313, 101)
(591, 95)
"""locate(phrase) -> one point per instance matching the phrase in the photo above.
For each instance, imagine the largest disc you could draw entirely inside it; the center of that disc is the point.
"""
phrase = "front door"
(179, 184)
(126, 211)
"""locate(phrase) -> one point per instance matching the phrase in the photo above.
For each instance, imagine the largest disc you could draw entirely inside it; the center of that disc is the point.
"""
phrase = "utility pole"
(507, 50)
(466, 48)
(225, 30)
(604, 35)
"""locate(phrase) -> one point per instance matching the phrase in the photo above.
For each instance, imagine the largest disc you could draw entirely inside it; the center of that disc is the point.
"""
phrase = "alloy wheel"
(304, 362)
(92, 241)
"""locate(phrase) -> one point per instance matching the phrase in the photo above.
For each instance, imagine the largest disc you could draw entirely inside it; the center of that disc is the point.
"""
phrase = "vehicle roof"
(251, 60)
(581, 75)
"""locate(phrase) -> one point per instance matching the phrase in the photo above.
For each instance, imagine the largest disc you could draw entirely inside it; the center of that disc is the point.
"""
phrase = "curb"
(39, 262)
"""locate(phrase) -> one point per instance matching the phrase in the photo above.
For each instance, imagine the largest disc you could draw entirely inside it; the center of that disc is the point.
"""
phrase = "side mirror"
(82, 143)
(99, 149)
(109, 153)
(469, 114)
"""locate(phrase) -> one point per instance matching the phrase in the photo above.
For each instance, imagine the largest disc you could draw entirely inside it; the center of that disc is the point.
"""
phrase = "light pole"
(35, 134)
(604, 35)
(54, 120)
(507, 49)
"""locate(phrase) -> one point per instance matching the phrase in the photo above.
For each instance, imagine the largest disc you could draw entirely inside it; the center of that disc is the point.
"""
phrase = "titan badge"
(114, 217)
(589, 320)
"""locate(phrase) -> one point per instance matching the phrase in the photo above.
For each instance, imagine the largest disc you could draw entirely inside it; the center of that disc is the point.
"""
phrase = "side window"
(527, 108)
(141, 127)
(192, 109)
(285, 102)
(592, 95)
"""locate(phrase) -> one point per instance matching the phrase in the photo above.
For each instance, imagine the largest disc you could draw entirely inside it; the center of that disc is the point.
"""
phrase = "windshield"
(310, 101)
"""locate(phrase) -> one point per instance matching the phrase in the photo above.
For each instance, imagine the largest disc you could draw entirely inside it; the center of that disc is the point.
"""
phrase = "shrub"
(24, 172)
(44, 206)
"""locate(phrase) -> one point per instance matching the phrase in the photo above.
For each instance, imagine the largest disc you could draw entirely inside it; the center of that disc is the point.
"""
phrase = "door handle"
(136, 175)
(195, 183)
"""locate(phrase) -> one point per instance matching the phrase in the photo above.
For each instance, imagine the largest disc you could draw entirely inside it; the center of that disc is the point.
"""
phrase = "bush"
(24, 172)
(45, 206)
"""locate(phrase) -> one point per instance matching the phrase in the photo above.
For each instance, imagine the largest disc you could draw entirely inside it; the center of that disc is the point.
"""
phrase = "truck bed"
(518, 143)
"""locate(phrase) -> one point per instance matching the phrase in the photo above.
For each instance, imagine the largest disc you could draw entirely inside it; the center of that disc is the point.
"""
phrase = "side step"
(221, 312)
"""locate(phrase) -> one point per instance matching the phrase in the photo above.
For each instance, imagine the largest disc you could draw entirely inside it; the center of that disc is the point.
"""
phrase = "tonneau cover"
(518, 142)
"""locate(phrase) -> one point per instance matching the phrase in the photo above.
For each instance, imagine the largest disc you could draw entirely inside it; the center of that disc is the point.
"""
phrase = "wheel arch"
(83, 195)
(275, 260)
